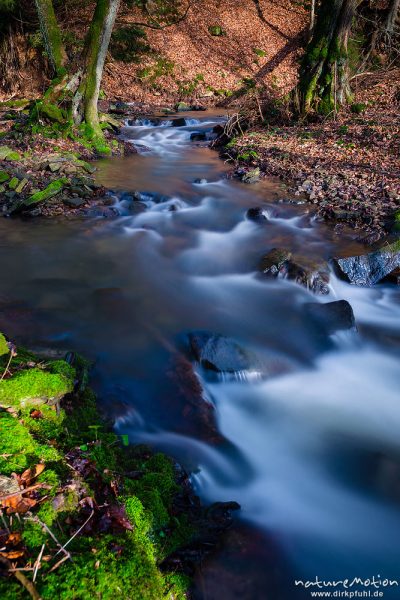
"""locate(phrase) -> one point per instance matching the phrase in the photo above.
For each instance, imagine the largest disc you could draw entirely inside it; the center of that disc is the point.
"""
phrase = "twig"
(22, 492)
(37, 563)
(51, 534)
(8, 364)
(4, 521)
(76, 533)
(60, 562)
(28, 585)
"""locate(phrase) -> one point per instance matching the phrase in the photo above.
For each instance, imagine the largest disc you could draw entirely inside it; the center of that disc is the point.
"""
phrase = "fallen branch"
(28, 585)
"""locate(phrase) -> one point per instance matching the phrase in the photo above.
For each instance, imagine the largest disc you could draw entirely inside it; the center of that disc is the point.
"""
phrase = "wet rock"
(150, 197)
(393, 277)
(332, 316)
(119, 108)
(179, 122)
(198, 136)
(256, 214)
(201, 181)
(274, 261)
(219, 353)
(312, 274)
(368, 269)
(198, 413)
(218, 129)
(73, 202)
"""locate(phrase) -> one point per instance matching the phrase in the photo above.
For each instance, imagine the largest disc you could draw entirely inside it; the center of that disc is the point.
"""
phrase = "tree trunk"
(51, 35)
(323, 83)
(392, 16)
(78, 92)
(97, 44)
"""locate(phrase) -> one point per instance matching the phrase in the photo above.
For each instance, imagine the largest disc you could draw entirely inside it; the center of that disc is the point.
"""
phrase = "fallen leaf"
(13, 554)
(30, 474)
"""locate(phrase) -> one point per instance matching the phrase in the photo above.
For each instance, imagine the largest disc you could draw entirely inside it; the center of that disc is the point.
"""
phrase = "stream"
(308, 440)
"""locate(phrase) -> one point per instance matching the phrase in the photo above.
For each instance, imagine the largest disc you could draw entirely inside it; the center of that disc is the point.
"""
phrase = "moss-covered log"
(324, 82)
(51, 34)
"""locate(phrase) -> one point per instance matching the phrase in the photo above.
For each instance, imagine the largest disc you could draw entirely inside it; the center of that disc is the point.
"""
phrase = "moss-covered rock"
(4, 176)
(51, 190)
(37, 386)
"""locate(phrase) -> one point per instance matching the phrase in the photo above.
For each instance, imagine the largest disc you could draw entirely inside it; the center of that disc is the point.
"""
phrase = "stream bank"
(84, 513)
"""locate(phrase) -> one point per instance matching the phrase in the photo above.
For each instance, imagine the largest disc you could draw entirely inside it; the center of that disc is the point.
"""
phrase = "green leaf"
(83, 448)
(125, 439)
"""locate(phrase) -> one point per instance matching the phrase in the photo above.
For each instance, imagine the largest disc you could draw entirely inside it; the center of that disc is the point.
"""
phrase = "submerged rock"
(198, 136)
(181, 122)
(332, 316)
(368, 269)
(220, 354)
(256, 214)
(312, 274)
(197, 411)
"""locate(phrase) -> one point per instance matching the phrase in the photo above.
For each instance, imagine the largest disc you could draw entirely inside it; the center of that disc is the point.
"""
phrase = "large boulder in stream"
(368, 269)
(221, 354)
(310, 273)
(331, 316)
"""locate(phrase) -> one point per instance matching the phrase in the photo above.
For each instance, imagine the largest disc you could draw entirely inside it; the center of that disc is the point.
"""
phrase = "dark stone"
(314, 275)
(332, 316)
(393, 277)
(272, 263)
(198, 108)
(150, 197)
(181, 122)
(218, 129)
(368, 269)
(73, 202)
(198, 136)
(219, 353)
(202, 181)
(198, 413)
(256, 214)
(119, 108)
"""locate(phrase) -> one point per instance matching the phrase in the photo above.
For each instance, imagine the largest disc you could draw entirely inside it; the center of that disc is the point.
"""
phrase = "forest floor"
(347, 167)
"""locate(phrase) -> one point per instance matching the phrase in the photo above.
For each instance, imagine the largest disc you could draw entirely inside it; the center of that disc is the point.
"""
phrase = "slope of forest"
(259, 40)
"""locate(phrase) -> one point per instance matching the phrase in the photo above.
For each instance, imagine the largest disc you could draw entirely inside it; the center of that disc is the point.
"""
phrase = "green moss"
(52, 189)
(118, 565)
(34, 535)
(35, 386)
(4, 349)
(4, 176)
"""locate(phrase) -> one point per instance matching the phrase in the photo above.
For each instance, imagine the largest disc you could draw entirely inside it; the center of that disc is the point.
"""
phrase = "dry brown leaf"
(30, 474)
(20, 505)
(13, 554)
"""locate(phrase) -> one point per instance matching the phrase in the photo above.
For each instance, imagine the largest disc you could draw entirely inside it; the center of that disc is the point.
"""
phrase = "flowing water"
(312, 451)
